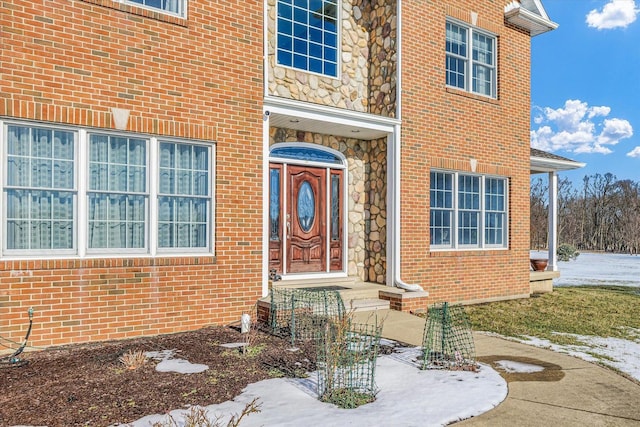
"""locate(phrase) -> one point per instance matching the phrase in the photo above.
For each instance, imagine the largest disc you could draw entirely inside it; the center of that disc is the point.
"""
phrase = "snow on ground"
(407, 396)
(513, 367)
(597, 269)
(617, 353)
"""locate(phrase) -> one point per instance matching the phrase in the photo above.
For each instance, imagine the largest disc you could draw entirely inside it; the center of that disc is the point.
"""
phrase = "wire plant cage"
(448, 341)
(300, 313)
(347, 354)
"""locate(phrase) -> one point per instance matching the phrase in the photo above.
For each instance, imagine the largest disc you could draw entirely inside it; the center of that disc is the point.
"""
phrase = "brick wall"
(70, 62)
(445, 128)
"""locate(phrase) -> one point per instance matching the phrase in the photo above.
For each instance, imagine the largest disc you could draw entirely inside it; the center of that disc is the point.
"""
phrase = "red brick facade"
(70, 62)
(445, 128)
(201, 78)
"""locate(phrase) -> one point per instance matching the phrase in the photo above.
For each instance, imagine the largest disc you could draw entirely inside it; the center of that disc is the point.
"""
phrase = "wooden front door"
(305, 219)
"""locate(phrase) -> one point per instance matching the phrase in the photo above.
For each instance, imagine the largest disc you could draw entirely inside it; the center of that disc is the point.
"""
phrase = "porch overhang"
(309, 117)
(543, 162)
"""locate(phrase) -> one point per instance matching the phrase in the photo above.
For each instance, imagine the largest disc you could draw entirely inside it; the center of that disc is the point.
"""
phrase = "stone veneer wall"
(382, 27)
(376, 212)
(365, 198)
(367, 78)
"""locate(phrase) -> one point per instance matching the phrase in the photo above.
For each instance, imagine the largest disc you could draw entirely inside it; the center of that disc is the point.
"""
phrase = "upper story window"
(471, 59)
(307, 35)
(175, 7)
(50, 209)
(467, 211)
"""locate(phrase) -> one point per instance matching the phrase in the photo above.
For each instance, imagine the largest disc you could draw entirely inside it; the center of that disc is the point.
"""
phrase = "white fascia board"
(528, 20)
(329, 114)
(542, 165)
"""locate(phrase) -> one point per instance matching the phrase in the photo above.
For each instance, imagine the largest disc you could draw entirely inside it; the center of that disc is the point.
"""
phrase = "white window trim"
(81, 190)
(469, 59)
(338, 75)
(455, 246)
(184, 5)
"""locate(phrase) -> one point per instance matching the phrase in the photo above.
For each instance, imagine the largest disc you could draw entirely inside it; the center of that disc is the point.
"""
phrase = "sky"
(585, 86)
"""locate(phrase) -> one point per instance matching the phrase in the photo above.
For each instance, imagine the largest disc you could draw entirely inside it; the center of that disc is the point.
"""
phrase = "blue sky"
(585, 86)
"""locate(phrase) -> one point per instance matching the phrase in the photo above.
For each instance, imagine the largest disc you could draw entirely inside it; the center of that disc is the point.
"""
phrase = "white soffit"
(529, 15)
(308, 117)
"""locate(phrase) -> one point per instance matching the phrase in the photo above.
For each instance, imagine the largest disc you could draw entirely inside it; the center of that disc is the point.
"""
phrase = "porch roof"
(542, 161)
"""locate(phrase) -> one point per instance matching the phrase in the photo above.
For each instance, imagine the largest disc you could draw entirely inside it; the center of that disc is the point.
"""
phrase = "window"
(54, 206)
(175, 7)
(307, 35)
(467, 211)
(117, 192)
(39, 190)
(471, 59)
(184, 199)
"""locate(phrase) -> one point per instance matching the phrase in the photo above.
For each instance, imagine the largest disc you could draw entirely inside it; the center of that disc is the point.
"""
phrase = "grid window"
(40, 193)
(470, 59)
(184, 197)
(307, 35)
(467, 211)
(441, 202)
(117, 192)
(175, 7)
(52, 205)
(495, 213)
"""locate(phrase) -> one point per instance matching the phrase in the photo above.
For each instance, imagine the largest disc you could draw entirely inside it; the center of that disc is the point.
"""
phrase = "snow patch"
(513, 367)
(407, 396)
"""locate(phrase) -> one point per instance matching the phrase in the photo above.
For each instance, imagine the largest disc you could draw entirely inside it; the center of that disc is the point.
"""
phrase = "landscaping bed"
(89, 384)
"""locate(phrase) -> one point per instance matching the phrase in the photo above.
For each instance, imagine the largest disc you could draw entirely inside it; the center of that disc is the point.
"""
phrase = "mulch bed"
(87, 384)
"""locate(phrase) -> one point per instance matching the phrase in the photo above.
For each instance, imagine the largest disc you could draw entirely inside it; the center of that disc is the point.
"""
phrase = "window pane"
(482, 48)
(440, 227)
(309, 30)
(117, 200)
(483, 80)
(495, 208)
(40, 172)
(183, 222)
(274, 204)
(456, 40)
(171, 6)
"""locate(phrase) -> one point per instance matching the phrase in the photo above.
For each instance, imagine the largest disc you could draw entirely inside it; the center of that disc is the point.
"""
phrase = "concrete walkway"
(569, 392)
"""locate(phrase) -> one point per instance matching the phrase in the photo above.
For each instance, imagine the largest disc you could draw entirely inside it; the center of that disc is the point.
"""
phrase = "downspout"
(394, 154)
(265, 153)
(395, 220)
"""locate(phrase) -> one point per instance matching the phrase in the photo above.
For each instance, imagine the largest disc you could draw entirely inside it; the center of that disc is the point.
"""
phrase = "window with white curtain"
(175, 7)
(467, 211)
(123, 213)
(39, 189)
(118, 197)
(471, 59)
(183, 196)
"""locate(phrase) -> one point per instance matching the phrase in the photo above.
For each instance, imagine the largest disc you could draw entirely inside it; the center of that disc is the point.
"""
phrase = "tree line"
(601, 215)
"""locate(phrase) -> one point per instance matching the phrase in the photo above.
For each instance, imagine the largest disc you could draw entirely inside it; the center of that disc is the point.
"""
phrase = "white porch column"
(553, 222)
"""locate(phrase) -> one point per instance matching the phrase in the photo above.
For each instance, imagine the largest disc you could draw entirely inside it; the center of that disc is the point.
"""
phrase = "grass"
(604, 311)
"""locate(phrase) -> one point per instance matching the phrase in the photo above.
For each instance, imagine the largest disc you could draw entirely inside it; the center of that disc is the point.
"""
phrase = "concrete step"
(356, 295)
(369, 304)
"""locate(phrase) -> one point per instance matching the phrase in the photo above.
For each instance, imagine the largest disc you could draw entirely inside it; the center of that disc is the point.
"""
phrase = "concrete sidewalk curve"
(568, 392)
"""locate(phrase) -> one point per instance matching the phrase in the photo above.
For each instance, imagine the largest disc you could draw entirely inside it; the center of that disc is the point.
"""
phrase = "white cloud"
(578, 128)
(615, 14)
(634, 153)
